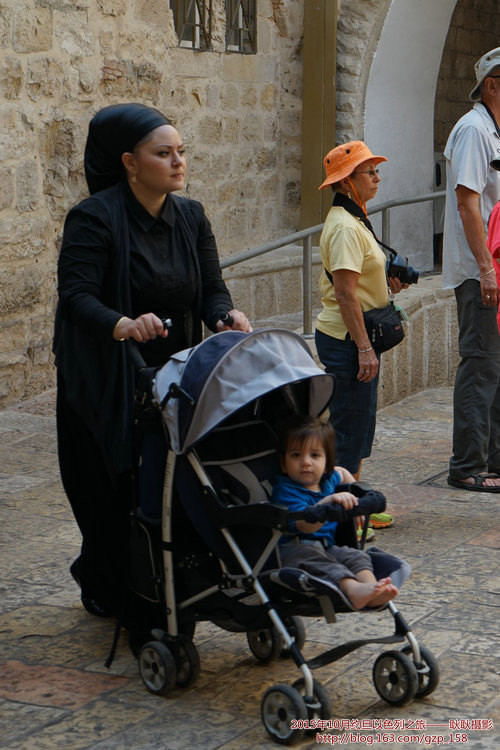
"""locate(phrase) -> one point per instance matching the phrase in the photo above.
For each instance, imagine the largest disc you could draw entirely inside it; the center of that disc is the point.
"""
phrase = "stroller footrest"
(333, 654)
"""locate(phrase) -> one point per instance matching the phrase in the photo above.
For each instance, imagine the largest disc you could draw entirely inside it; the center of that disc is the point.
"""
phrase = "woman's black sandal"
(478, 483)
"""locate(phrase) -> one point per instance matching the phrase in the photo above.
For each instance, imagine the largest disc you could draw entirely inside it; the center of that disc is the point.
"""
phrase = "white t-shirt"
(472, 145)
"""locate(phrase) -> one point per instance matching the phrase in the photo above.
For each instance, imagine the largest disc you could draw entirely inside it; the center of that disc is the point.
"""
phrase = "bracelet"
(363, 351)
(124, 317)
(487, 273)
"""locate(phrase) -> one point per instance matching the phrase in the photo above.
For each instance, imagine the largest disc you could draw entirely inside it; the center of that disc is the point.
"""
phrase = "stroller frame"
(170, 657)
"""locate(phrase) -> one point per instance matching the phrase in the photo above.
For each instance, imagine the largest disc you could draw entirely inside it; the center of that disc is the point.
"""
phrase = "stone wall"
(358, 31)
(239, 115)
(474, 29)
(60, 61)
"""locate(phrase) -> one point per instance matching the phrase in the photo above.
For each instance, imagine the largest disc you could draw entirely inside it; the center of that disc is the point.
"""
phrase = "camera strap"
(343, 201)
(351, 207)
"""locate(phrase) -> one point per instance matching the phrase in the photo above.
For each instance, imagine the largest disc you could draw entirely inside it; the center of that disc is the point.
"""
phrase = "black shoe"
(92, 605)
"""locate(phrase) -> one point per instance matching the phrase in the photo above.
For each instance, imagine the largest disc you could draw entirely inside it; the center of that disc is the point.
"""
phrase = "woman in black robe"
(132, 255)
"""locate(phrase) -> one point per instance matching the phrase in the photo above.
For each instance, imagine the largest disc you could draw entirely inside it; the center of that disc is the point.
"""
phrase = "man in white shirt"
(473, 187)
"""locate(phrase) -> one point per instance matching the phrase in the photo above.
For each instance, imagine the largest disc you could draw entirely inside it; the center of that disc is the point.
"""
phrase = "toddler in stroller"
(216, 555)
(310, 480)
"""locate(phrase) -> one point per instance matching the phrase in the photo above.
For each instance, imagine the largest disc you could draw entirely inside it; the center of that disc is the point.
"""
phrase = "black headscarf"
(113, 131)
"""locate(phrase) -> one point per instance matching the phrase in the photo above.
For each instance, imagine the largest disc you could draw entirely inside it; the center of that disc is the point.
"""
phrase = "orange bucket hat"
(342, 160)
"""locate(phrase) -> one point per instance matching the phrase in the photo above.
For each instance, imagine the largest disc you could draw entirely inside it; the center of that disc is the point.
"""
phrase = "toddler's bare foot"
(370, 594)
(384, 595)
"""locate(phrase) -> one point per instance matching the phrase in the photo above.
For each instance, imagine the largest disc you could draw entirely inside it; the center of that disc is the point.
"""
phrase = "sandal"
(478, 483)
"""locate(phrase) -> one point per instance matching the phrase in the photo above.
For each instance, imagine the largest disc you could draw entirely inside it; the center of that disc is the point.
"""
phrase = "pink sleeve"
(493, 240)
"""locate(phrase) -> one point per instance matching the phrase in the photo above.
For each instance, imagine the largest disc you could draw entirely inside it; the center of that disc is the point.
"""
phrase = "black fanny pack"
(384, 327)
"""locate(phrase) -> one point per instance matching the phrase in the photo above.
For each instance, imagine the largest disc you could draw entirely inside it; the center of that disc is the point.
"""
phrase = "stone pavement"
(56, 693)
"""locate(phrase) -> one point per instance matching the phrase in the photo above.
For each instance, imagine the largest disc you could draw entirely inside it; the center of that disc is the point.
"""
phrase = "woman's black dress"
(116, 259)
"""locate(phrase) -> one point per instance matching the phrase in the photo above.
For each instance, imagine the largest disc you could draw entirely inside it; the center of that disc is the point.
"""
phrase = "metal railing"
(305, 236)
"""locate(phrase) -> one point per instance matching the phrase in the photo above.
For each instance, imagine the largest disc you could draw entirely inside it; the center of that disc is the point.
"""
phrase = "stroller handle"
(371, 502)
(226, 318)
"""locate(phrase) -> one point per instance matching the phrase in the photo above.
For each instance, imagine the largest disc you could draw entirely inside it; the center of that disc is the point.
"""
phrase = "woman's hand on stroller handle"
(233, 320)
(144, 328)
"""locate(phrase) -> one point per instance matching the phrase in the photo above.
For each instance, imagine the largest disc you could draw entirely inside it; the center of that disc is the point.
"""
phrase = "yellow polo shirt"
(346, 243)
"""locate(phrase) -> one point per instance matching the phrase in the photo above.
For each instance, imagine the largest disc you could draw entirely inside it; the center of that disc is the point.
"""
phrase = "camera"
(398, 268)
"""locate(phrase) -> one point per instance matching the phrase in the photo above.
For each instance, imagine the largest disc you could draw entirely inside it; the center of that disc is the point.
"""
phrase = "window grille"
(192, 20)
(241, 26)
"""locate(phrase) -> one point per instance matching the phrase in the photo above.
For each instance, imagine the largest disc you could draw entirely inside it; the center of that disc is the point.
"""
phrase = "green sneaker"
(370, 534)
(381, 520)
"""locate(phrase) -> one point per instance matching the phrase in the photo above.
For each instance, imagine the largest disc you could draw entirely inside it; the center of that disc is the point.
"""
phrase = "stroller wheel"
(428, 672)
(265, 644)
(188, 662)
(395, 677)
(284, 714)
(157, 667)
(320, 707)
(297, 630)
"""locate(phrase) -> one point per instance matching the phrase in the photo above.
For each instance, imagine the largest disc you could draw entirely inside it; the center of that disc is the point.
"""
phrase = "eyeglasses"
(371, 172)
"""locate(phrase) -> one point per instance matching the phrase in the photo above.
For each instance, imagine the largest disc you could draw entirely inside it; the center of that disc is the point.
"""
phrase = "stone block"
(11, 78)
(21, 288)
(269, 96)
(16, 132)
(32, 29)
(189, 64)
(112, 7)
(211, 130)
(417, 351)
(386, 389)
(5, 19)
(22, 238)
(81, 82)
(73, 33)
(27, 186)
(11, 333)
(154, 13)
(6, 187)
(250, 68)
(265, 296)
(231, 130)
(45, 78)
(241, 295)
(435, 326)
(249, 97)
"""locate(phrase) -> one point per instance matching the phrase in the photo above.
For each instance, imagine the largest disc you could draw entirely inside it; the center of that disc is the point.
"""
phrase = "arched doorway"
(399, 116)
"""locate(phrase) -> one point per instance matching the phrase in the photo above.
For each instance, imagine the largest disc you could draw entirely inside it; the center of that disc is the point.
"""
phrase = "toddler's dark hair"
(300, 429)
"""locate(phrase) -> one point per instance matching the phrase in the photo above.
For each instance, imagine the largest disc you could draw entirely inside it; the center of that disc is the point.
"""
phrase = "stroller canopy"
(199, 388)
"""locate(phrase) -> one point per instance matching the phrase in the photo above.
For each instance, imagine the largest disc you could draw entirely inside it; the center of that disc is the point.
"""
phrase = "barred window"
(241, 26)
(192, 20)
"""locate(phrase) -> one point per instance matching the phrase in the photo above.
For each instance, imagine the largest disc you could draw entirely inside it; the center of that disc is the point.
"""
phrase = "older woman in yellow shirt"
(354, 280)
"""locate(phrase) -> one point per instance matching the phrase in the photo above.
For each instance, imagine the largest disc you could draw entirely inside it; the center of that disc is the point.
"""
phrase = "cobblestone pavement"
(55, 691)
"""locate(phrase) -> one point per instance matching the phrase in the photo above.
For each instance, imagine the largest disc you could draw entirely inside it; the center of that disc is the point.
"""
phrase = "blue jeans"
(476, 398)
(353, 408)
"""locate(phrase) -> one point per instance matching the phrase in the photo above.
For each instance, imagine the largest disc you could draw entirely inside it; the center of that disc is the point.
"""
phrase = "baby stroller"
(216, 558)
